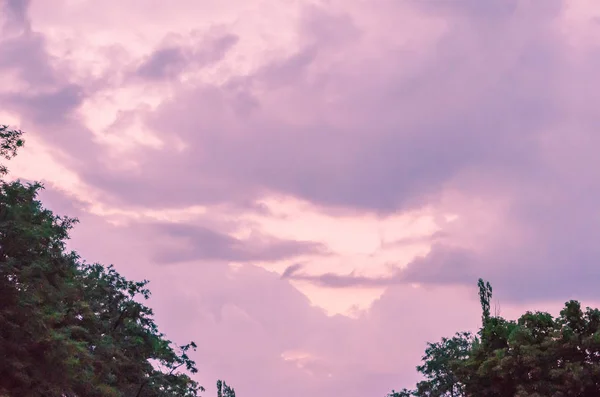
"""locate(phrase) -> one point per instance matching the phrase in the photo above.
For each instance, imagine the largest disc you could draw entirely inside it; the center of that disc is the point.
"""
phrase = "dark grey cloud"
(14, 14)
(290, 270)
(490, 15)
(195, 243)
(473, 9)
(396, 141)
(408, 241)
(443, 265)
(334, 280)
(50, 97)
(49, 108)
(498, 107)
(169, 61)
(22, 51)
(483, 112)
(554, 253)
(162, 63)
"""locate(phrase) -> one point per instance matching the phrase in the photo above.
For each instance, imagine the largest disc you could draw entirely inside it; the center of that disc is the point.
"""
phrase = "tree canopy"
(536, 356)
(69, 328)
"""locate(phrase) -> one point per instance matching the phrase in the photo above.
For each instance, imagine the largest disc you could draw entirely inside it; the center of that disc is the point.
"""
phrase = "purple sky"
(313, 187)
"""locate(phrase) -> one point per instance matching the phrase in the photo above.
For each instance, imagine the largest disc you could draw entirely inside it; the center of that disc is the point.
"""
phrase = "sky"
(313, 187)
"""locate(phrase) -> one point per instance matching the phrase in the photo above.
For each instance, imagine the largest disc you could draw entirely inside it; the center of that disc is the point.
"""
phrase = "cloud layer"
(266, 164)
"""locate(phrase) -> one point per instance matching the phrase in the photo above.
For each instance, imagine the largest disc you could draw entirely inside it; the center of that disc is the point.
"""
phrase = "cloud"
(41, 89)
(172, 59)
(201, 243)
(162, 63)
(16, 11)
(479, 113)
(279, 340)
(363, 355)
(290, 270)
(381, 134)
(334, 280)
(22, 49)
(48, 107)
(61, 202)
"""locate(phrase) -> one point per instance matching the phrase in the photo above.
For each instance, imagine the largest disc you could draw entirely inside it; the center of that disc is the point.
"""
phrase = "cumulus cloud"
(378, 134)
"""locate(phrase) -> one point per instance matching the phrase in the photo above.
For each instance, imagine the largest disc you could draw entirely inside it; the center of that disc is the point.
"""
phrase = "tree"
(68, 328)
(224, 390)
(485, 297)
(439, 365)
(401, 393)
(536, 356)
(10, 141)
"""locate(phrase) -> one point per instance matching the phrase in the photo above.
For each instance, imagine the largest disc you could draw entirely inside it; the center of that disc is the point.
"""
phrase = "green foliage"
(401, 393)
(68, 328)
(439, 363)
(536, 356)
(10, 141)
(224, 390)
(485, 297)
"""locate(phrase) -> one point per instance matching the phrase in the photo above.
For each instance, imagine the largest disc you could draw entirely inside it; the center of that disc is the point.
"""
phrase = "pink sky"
(313, 187)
